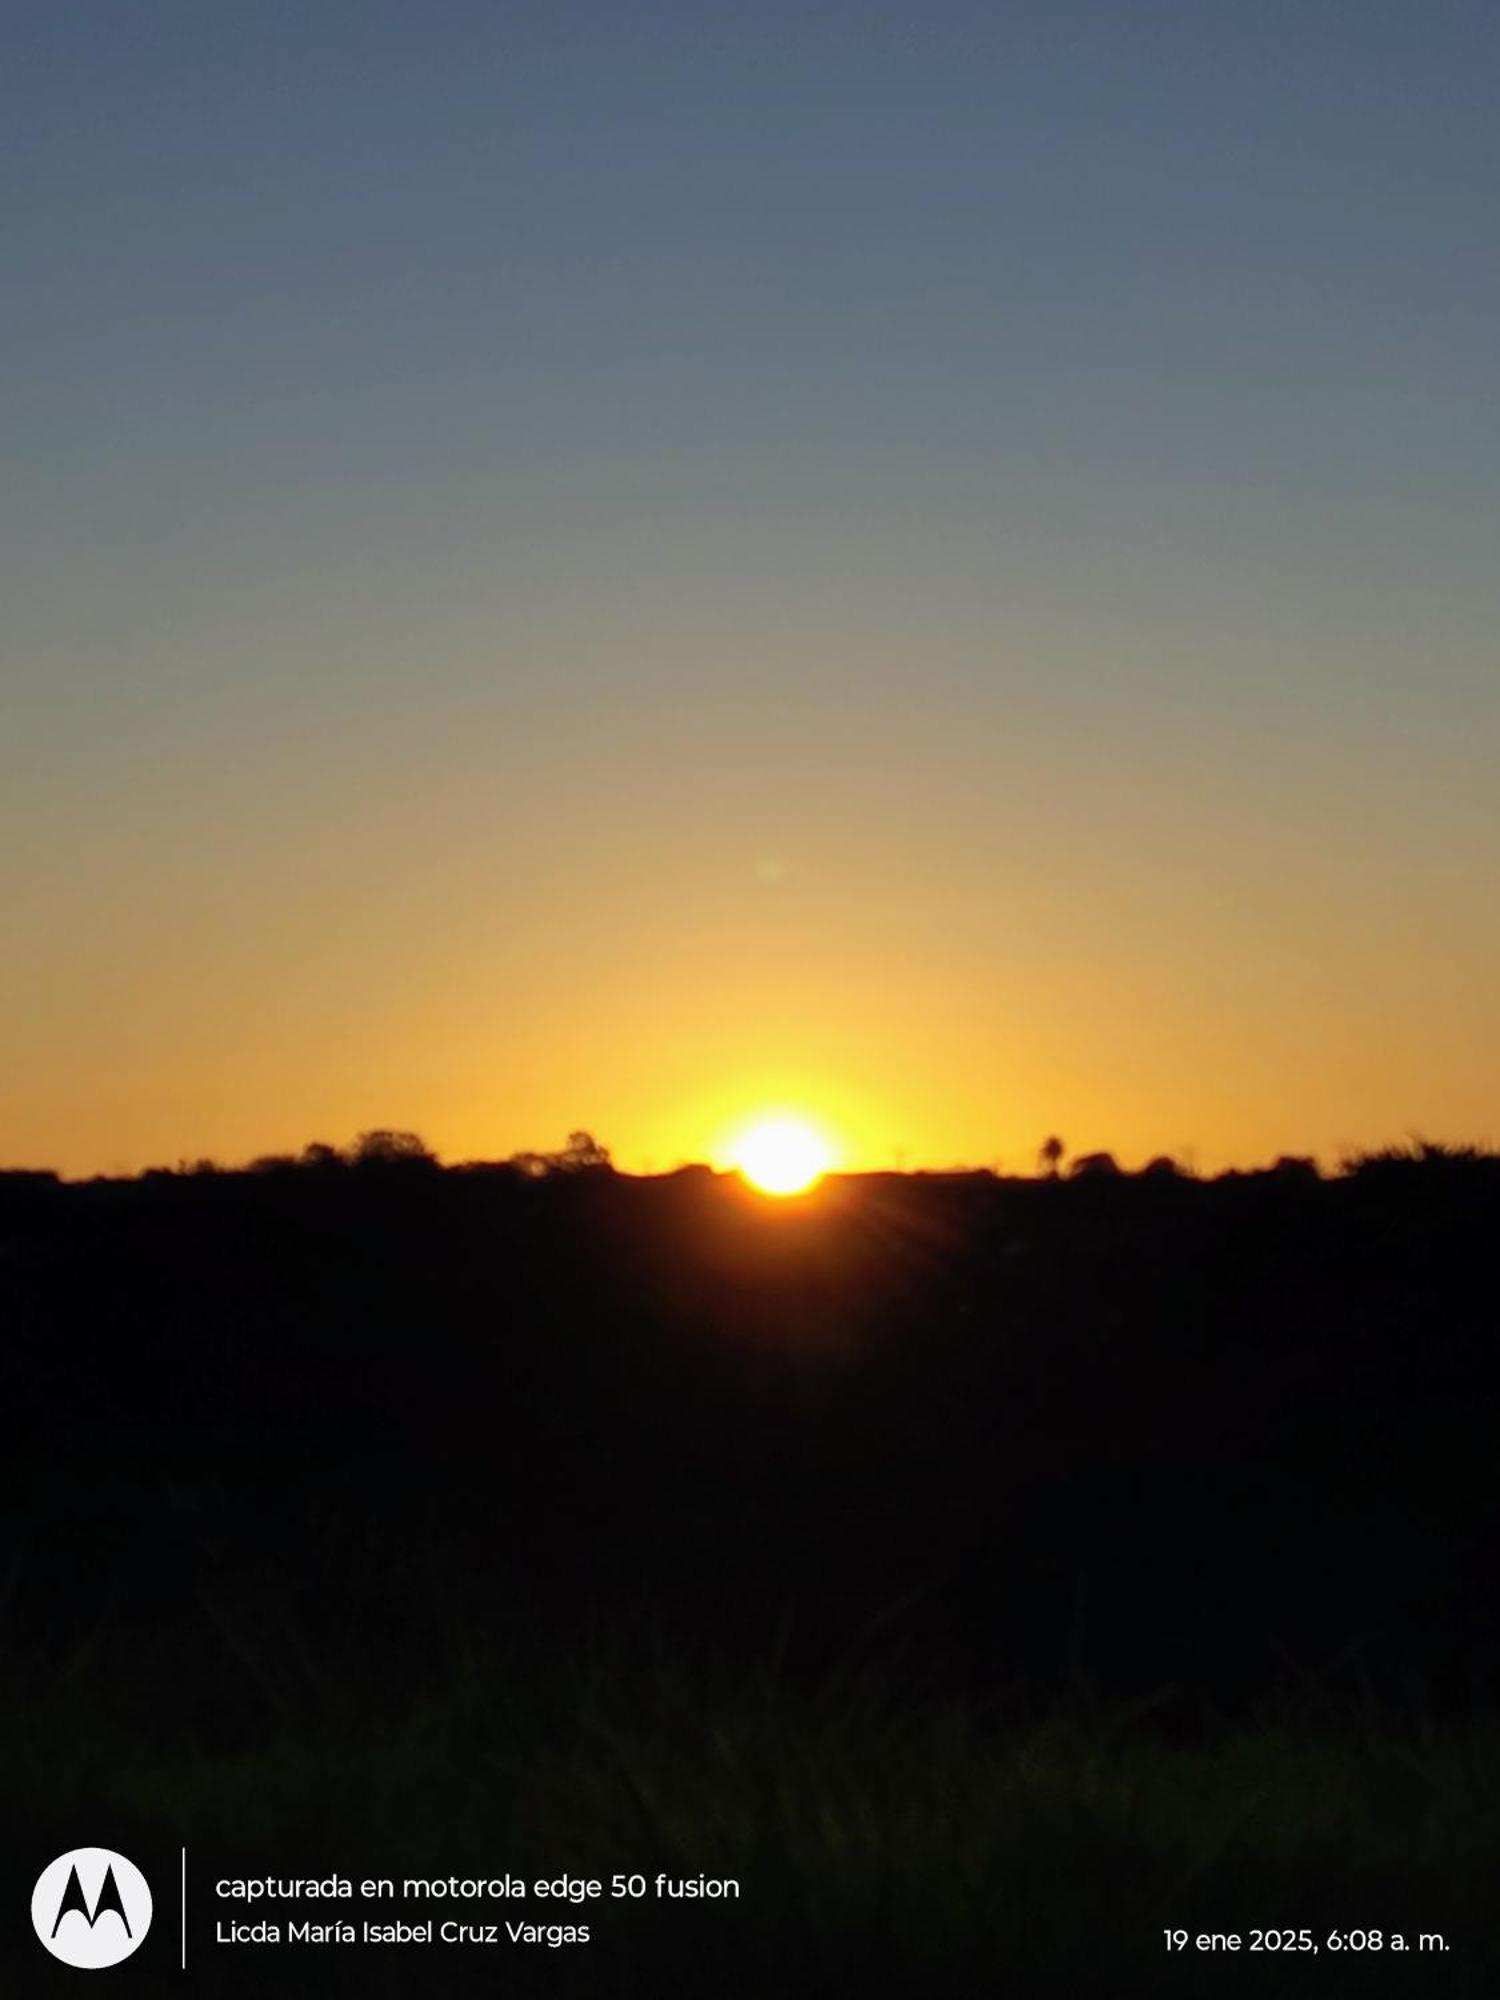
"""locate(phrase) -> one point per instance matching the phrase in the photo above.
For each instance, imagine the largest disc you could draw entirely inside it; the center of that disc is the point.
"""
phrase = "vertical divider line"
(184, 1909)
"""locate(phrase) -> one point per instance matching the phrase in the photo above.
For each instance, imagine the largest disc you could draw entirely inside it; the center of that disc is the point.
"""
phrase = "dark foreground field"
(988, 1576)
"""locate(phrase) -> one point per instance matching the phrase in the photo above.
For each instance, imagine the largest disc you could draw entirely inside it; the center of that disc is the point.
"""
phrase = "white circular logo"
(91, 1907)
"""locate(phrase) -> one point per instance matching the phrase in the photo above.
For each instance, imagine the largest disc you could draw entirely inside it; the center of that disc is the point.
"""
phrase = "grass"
(884, 1843)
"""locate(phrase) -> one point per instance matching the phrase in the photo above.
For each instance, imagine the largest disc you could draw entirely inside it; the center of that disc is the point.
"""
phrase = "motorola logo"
(91, 1908)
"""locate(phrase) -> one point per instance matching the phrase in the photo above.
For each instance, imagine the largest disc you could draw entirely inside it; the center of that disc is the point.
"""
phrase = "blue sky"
(853, 433)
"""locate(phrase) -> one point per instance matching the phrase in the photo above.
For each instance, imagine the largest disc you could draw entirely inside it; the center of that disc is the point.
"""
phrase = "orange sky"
(613, 571)
(941, 929)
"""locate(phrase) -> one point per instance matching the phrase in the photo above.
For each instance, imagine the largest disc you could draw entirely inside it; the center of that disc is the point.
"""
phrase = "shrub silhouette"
(1418, 1155)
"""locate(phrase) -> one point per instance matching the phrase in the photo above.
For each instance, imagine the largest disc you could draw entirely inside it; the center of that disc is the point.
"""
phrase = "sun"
(782, 1156)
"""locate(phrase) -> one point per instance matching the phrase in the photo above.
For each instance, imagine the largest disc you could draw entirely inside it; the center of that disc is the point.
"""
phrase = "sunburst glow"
(782, 1156)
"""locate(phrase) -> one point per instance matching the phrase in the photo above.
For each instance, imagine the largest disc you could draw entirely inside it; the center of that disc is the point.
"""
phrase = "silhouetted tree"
(1050, 1154)
(1162, 1168)
(390, 1149)
(1093, 1167)
(583, 1154)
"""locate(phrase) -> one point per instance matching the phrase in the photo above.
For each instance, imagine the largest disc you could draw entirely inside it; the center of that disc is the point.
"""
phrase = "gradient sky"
(605, 564)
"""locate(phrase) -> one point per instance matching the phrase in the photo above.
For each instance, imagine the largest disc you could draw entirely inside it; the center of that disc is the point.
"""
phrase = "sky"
(614, 566)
